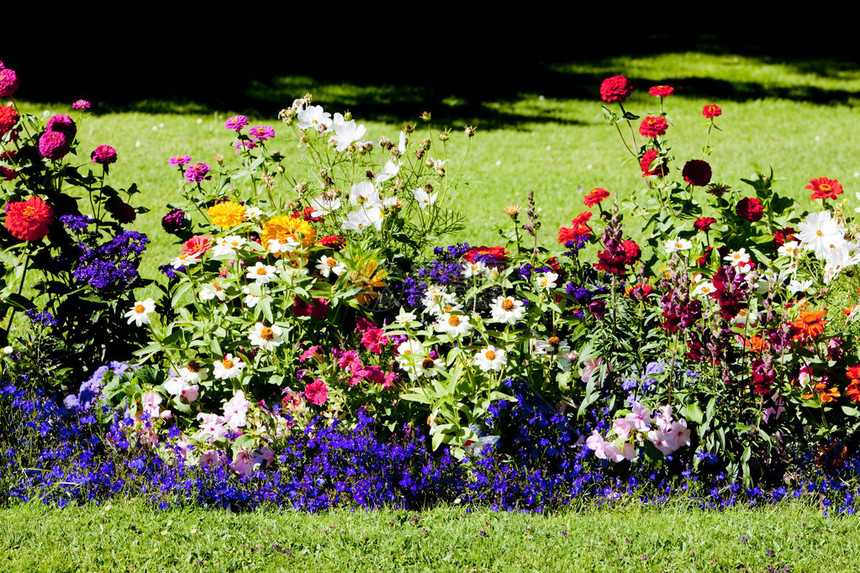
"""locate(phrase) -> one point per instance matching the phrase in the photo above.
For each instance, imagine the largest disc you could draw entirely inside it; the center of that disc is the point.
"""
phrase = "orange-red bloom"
(595, 196)
(810, 324)
(29, 220)
(824, 188)
(824, 393)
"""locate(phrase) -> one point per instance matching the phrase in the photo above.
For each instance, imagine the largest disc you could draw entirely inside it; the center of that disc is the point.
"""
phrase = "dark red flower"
(29, 220)
(8, 119)
(122, 212)
(705, 258)
(335, 242)
(661, 91)
(7, 173)
(704, 223)
(697, 172)
(824, 188)
(782, 236)
(639, 291)
(595, 196)
(648, 165)
(616, 88)
(632, 252)
(307, 215)
(750, 209)
(711, 111)
(653, 126)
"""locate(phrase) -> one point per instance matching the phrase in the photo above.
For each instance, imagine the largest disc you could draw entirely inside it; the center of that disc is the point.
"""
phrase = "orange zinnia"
(810, 324)
(853, 391)
(826, 394)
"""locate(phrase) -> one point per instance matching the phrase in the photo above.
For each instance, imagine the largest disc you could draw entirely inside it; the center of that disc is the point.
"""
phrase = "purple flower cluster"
(112, 264)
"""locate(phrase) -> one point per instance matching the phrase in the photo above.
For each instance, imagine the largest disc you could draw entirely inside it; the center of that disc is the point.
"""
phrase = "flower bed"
(313, 345)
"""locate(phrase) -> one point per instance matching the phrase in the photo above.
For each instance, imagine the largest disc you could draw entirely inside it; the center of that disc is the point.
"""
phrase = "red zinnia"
(648, 158)
(335, 242)
(824, 188)
(616, 88)
(704, 223)
(579, 229)
(697, 172)
(8, 119)
(653, 126)
(29, 220)
(197, 245)
(710, 111)
(661, 91)
(632, 252)
(750, 209)
(595, 196)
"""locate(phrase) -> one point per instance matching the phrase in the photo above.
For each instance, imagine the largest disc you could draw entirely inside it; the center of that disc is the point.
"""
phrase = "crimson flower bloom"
(750, 209)
(595, 196)
(711, 111)
(697, 172)
(661, 91)
(653, 126)
(316, 392)
(704, 223)
(29, 220)
(616, 88)
(648, 158)
(8, 119)
(824, 188)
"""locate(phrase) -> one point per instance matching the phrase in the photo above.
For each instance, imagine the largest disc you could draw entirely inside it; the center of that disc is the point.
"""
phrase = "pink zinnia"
(236, 123)
(81, 104)
(197, 172)
(243, 144)
(103, 155)
(261, 133)
(196, 245)
(180, 160)
(8, 82)
(53, 145)
(64, 124)
(316, 392)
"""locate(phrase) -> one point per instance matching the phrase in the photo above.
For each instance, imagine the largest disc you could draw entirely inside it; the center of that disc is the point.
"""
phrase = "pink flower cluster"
(668, 436)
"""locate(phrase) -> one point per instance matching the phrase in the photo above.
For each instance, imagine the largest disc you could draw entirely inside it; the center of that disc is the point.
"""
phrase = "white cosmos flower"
(364, 193)
(139, 313)
(796, 286)
(490, 358)
(346, 132)
(261, 273)
(314, 116)
(390, 170)
(677, 245)
(820, 233)
(437, 164)
(401, 144)
(363, 218)
(328, 265)
(266, 337)
(424, 198)
(323, 206)
(230, 367)
(507, 309)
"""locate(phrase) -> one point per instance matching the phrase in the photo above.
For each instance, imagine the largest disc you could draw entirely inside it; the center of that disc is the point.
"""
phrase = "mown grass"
(127, 535)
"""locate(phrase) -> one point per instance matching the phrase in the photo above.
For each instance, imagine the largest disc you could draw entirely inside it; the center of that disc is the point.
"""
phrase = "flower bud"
(425, 116)
(470, 131)
(443, 136)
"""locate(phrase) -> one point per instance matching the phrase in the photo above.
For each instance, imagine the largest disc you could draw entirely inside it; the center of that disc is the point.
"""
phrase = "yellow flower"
(283, 228)
(370, 277)
(227, 214)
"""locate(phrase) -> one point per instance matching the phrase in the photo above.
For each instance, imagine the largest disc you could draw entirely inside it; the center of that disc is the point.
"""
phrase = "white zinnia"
(139, 313)
(490, 358)
(507, 309)
(266, 337)
(230, 367)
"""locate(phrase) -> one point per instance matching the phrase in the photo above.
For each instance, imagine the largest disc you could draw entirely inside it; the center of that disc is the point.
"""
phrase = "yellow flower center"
(331, 263)
(139, 308)
(825, 187)
(261, 271)
(454, 320)
(228, 364)
(490, 355)
(267, 333)
(507, 305)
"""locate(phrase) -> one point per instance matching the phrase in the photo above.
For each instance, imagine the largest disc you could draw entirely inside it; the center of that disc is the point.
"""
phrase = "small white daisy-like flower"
(490, 358)
(251, 299)
(403, 318)
(507, 309)
(261, 273)
(328, 265)
(227, 246)
(789, 249)
(456, 325)
(266, 337)
(474, 269)
(704, 289)
(677, 245)
(284, 245)
(230, 367)
(737, 258)
(797, 286)
(211, 290)
(139, 313)
(547, 281)
(253, 213)
(185, 260)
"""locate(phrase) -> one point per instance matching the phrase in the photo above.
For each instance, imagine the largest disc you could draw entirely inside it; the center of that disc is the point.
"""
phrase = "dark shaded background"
(124, 68)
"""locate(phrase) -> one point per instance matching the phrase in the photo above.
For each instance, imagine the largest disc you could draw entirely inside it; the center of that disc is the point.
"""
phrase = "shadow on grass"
(479, 88)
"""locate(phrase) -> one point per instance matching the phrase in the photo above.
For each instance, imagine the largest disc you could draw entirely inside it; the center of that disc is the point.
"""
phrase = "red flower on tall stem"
(824, 188)
(616, 88)
(29, 220)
